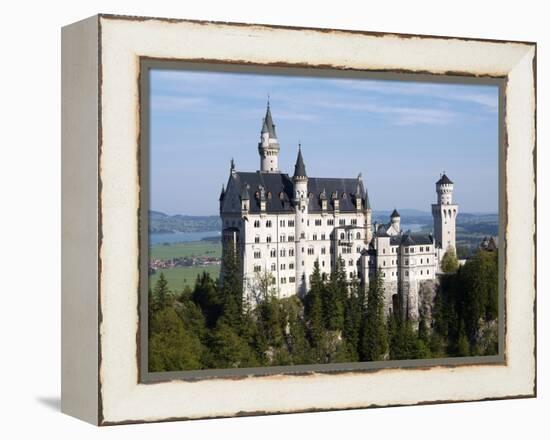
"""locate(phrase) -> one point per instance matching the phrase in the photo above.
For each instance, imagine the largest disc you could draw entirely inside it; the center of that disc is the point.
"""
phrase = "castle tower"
(268, 147)
(301, 206)
(396, 220)
(444, 213)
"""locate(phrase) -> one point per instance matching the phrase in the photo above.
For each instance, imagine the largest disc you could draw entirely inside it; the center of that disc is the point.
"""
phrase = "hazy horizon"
(400, 135)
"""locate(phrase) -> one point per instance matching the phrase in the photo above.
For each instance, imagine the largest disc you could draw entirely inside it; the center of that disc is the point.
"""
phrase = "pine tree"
(333, 297)
(161, 294)
(449, 262)
(374, 340)
(354, 308)
(231, 289)
(314, 312)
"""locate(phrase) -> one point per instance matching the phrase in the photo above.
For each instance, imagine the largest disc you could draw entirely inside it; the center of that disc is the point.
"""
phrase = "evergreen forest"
(210, 326)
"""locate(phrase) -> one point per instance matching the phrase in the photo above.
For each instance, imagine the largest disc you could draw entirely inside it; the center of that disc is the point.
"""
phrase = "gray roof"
(444, 180)
(268, 125)
(279, 189)
(394, 214)
(300, 168)
(410, 239)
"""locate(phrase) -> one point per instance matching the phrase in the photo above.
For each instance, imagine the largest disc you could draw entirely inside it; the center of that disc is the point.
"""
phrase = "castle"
(282, 225)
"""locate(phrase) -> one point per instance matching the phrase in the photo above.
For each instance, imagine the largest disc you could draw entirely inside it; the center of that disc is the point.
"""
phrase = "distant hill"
(161, 222)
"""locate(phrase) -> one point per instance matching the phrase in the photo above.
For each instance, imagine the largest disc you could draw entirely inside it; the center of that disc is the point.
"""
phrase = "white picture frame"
(101, 59)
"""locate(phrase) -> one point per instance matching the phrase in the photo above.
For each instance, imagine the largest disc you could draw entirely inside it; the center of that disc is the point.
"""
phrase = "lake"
(183, 237)
(180, 237)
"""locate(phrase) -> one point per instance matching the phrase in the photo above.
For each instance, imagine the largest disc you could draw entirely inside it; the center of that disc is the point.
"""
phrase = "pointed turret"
(268, 126)
(268, 147)
(222, 193)
(300, 168)
(394, 214)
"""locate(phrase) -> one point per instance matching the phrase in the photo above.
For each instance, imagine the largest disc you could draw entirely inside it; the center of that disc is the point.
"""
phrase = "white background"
(30, 217)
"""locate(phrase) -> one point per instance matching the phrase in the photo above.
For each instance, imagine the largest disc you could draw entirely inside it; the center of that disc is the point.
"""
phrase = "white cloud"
(442, 92)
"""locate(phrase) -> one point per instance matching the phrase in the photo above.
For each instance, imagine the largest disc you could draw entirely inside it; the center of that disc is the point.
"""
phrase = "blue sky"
(399, 135)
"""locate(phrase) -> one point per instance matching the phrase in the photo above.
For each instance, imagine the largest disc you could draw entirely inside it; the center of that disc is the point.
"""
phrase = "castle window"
(282, 223)
(342, 222)
(303, 264)
(291, 252)
(303, 235)
(257, 268)
(384, 251)
(412, 250)
(427, 248)
(291, 279)
(428, 271)
(273, 267)
(350, 263)
(257, 254)
(384, 263)
(283, 253)
(407, 273)
(291, 266)
(353, 221)
(257, 239)
(421, 248)
(310, 251)
(308, 222)
(342, 235)
(358, 249)
(318, 222)
(407, 261)
(283, 266)
(427, 260)
(358, 236)
(268, 224)
(283, 280)
(315, 236)
(421, 273)
(323, 251)
(330, 222)
(268, 239)
(323, 263)
(282, 238)
(323, 236)
(273, 253)
(291, 223)
(291, 238)
(256, 223)
(421, 261)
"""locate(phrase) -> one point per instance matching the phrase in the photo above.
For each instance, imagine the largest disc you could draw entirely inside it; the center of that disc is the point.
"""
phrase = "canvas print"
(302, 220)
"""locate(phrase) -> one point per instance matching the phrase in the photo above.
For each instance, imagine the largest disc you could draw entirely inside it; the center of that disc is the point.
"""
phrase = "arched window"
(358, 236)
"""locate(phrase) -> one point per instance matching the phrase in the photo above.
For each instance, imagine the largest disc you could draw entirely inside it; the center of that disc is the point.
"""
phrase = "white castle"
(282, 225)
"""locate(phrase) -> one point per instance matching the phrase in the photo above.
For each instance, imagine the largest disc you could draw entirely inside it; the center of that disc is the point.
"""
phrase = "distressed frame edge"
(104, 422)
(80, 121)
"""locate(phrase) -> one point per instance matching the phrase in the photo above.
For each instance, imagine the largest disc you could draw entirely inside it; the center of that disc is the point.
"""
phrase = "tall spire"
(268, 147)
(268, 125)
(300, 168)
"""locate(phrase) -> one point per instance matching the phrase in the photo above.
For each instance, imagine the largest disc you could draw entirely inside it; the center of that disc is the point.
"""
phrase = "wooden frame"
(101, 203)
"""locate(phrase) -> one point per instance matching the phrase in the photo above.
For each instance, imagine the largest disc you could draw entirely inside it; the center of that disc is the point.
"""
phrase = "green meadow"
(189, 249)
(179, 277)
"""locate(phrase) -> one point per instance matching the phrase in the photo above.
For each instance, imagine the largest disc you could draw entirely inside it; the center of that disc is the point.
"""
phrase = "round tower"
(444, 188)
(301, 208)
(444, 214)
(268, 147)
(396, 220)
